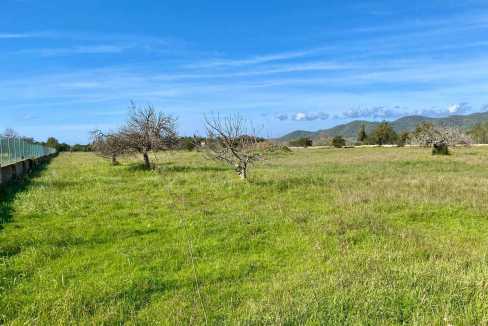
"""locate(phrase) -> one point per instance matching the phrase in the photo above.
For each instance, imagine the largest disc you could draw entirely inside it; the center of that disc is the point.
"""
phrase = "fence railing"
(14, 150)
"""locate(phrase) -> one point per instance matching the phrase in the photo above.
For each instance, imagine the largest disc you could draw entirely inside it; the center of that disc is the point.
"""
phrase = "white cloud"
(376, 112)
(304, 116)
(300, 116)
(459, 108)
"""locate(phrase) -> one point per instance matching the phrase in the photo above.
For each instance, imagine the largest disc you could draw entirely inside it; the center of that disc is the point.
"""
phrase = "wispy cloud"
(13, 36)
(457, 22)
(25, 35)
(94, 43)
(214, 63)
(94, 49)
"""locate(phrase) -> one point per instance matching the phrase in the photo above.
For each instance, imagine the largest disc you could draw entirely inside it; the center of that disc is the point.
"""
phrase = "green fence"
(16, 149)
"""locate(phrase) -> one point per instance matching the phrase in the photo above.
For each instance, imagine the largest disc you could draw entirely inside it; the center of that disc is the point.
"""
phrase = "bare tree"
(148, 130)
(230, 140)
(108, 145)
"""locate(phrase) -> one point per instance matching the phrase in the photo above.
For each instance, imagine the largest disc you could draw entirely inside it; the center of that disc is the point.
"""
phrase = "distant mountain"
(350, 130)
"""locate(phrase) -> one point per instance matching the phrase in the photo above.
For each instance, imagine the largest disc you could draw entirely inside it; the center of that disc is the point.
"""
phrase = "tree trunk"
(242, 172)
(114, 159)
(147, 163)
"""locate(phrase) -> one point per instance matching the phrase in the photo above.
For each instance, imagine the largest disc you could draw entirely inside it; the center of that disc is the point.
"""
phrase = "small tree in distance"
(383, 134)
(54, 143)
(403, 138)
(109, 146)
(230, 140)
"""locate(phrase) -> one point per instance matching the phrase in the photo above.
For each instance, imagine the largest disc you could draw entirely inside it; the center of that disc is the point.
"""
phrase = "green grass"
(333, 236)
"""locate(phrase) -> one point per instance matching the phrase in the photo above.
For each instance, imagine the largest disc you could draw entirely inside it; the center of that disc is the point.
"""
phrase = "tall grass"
(331, 236)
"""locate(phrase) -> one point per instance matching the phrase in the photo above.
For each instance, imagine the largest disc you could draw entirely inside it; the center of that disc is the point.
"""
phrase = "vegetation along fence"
(13, 150)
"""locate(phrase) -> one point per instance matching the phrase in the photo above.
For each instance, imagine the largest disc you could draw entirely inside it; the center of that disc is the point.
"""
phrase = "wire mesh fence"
(14, 150)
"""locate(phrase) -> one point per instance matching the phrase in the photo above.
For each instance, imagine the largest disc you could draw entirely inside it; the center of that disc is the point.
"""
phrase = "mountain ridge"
(407, 123)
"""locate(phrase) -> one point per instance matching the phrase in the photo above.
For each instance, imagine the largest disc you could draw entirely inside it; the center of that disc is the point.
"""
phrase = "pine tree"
(362, 136)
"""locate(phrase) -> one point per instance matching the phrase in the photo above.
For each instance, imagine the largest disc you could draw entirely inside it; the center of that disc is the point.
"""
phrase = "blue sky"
(68, 67)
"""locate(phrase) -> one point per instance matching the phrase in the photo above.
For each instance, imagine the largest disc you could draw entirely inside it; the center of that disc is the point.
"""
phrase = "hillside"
(350, 130)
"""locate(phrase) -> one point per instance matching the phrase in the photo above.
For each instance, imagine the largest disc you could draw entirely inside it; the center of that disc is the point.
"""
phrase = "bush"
(270, 147)
(81, 148)
(440, 148)
(338, 142)
(279, 149)
(189, 143)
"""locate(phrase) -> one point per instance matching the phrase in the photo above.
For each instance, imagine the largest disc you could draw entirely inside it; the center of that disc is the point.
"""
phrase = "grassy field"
(330, 236)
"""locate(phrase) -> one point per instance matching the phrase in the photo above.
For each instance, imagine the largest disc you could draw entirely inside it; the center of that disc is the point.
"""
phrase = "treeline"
(188, 143)
(383, 134)
(181, 143)
(479, 133)
(424, 134)
(50, 142)
(438, 137)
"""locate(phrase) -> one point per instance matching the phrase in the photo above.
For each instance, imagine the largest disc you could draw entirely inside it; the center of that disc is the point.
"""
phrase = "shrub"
(268, 147)
(338, 141)
(189, 143)
(440, 148)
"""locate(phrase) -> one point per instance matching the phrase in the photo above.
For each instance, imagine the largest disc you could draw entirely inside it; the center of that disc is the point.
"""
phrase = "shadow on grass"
(282, 185)
(188, 168)
(169, 167)
(10, 190)
(135, 167)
